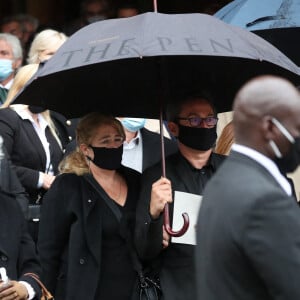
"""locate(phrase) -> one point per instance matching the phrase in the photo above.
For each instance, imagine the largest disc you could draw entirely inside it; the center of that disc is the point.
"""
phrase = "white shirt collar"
(134, 142)
(265, 162)
(8, 85)
(23, 112)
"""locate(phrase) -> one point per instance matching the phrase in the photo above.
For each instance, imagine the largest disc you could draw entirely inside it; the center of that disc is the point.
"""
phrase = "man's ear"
(173, 128)
(268, 128)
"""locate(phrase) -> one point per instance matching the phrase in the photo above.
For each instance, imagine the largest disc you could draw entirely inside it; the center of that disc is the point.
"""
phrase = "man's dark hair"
(174, 108)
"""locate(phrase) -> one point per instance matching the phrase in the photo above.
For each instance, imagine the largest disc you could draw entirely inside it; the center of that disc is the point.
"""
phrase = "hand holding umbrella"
(161, 195)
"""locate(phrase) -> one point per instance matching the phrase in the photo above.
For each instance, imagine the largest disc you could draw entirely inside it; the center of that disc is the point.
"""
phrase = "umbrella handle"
(169, 230)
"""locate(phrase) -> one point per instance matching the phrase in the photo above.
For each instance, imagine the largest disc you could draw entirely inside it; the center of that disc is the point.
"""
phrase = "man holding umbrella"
(193, 121)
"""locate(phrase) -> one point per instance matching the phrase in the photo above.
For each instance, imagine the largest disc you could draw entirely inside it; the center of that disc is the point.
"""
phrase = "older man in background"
(10, 60)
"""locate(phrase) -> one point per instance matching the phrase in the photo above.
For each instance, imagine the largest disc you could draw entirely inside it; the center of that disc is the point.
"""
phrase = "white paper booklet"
(189, 203)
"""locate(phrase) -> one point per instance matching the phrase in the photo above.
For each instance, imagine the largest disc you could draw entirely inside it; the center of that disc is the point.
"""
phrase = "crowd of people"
(82, 199)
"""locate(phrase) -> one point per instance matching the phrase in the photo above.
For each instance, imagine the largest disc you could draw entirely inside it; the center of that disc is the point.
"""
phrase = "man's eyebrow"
(191, 115)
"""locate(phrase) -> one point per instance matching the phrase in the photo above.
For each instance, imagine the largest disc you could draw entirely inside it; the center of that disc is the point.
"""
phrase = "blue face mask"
(133, 124)
(5, 68)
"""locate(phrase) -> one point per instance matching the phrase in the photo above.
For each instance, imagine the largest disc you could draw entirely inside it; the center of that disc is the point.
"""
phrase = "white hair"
(14, 43)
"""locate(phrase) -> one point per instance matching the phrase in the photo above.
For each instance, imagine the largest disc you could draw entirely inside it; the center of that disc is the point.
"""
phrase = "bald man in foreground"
(248, 230)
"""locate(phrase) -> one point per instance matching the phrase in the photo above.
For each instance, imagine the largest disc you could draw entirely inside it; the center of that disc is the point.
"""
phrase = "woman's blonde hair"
(86, 130)
(44, 40)
(225, 140)
(22, 77)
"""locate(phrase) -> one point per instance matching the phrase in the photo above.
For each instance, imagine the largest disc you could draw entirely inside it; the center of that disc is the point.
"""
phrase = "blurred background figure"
(12, 25)
(10, 60)
(30, 26)
(23, 26)
(127, 9)
(44, 45)
(91, 11)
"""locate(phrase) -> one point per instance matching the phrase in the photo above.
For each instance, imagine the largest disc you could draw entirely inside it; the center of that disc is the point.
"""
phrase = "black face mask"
(36, 109)
(290, 162)
(201, 139)
(107, 158)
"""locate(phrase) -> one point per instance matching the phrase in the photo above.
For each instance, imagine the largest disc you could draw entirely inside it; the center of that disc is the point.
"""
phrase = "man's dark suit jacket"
(17, 249)
(248, 236)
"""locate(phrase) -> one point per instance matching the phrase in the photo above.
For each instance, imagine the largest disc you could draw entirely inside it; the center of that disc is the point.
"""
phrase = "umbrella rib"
(263, 19)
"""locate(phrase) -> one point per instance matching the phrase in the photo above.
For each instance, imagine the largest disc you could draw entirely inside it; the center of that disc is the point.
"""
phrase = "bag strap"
(92, 181)
(45, 291)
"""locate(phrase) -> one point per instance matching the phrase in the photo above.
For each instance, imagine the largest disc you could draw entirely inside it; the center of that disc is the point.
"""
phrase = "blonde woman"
(32, 143)
(44, 45)
(82, 246)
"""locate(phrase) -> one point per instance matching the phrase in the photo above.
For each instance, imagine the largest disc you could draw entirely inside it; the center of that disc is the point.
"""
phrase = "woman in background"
(33, 145)
(44, 45)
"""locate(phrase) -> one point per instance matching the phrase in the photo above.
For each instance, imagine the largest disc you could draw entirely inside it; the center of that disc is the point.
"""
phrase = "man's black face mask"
(289, 162)
(197, 138)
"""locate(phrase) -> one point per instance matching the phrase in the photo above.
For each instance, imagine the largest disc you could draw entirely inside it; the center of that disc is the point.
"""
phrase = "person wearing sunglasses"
(193, 122)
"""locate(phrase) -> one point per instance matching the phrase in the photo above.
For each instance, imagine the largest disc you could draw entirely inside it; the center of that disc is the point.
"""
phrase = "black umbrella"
(277, 21)
(124, 66)
(135, 66)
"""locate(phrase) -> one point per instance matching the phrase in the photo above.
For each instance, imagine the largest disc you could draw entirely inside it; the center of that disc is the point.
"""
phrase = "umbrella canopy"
(126, 67)
(277, 21)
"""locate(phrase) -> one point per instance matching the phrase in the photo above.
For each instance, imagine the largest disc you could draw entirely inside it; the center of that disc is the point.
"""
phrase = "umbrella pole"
(155, 5)
(185, 216)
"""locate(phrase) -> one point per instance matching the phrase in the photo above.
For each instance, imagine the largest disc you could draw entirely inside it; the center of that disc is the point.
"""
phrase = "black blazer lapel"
(35, 140)
(151, 149)
(92, 220)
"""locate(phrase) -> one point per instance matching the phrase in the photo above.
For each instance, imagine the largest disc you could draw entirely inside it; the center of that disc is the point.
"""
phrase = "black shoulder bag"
(146, 287)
